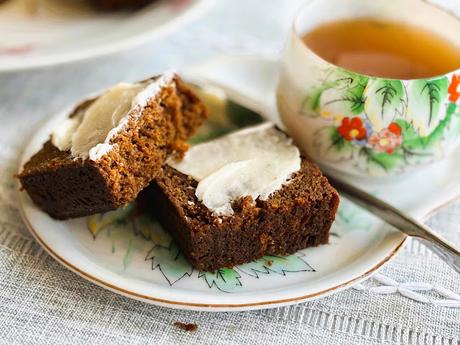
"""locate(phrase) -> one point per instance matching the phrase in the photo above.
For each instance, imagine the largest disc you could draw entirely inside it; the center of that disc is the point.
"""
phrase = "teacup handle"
(249, 80)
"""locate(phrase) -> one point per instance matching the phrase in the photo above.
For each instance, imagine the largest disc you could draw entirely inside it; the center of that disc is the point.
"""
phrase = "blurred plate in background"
(36, 33)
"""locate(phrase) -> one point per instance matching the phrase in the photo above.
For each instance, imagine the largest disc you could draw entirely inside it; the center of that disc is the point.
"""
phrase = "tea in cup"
(372, 88)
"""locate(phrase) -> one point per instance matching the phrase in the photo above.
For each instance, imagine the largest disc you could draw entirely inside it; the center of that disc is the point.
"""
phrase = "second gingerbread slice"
(112, 146)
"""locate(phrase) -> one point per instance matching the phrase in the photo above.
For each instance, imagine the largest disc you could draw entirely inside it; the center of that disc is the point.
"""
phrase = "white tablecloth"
(43, 302)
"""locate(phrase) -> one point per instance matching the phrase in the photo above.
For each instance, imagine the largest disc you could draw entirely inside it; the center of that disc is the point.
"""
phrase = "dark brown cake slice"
(66, 186)
(297, 216)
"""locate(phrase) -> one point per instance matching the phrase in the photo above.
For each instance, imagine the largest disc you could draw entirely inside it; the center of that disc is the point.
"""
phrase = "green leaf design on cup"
(415, 144)
(384, 100)
(382, 160)
(332, 146)
(425, 99)
(341, 92)
(382, 126)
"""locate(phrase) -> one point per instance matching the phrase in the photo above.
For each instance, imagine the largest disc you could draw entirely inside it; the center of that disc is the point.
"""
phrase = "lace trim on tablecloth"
(416, 291)
(366, 329)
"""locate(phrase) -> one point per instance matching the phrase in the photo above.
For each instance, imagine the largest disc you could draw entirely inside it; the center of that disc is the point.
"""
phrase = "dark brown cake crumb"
(65, 187)
(297, 216)
(188, 327)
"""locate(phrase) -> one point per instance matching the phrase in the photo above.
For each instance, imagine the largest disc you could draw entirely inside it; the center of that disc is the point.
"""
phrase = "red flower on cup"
(454, 89)
(352, 129)
(387, 140)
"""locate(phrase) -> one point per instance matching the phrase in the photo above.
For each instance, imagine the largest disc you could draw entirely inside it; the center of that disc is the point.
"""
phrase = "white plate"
(69, 30)
(137, 259)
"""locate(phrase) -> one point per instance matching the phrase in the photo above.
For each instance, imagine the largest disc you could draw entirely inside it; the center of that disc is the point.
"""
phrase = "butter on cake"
(243, 196)
(111, 147)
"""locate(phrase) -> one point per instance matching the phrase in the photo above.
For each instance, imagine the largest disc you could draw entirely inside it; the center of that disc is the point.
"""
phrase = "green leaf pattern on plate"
(131, 232)
(224, 279)
(98, 222)
(129, 227)
(170, 261)
(276, 264)
(351, 217)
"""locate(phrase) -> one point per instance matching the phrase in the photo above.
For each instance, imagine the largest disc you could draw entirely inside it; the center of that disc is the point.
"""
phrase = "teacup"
(360, 124)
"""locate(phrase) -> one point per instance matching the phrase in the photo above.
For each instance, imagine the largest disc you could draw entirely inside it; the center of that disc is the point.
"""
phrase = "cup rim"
(305, 47)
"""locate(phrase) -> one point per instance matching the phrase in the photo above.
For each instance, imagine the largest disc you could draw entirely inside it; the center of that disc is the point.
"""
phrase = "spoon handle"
(401, 221)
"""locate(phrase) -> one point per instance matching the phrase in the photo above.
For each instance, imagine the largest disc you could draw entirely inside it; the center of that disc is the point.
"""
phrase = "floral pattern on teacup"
(383, 125)
(387, 140)
(454, 89)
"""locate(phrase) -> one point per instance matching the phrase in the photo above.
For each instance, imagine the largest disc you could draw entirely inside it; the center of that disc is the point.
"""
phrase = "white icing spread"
(62, 136)
(253, 162)
(89, 134)
(102, 116)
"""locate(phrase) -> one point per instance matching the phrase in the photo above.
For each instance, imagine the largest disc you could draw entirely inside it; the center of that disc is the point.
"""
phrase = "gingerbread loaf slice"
(296, 215)
(112, 146)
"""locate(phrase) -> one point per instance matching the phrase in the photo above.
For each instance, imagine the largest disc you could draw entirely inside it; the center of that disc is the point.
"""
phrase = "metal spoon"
(401, 221)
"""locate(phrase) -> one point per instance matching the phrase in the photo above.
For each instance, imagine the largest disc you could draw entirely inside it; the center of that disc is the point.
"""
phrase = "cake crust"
(66, 187)
(297, 216)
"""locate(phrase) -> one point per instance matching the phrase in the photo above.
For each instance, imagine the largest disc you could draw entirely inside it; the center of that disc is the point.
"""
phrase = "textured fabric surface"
(42, 302)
